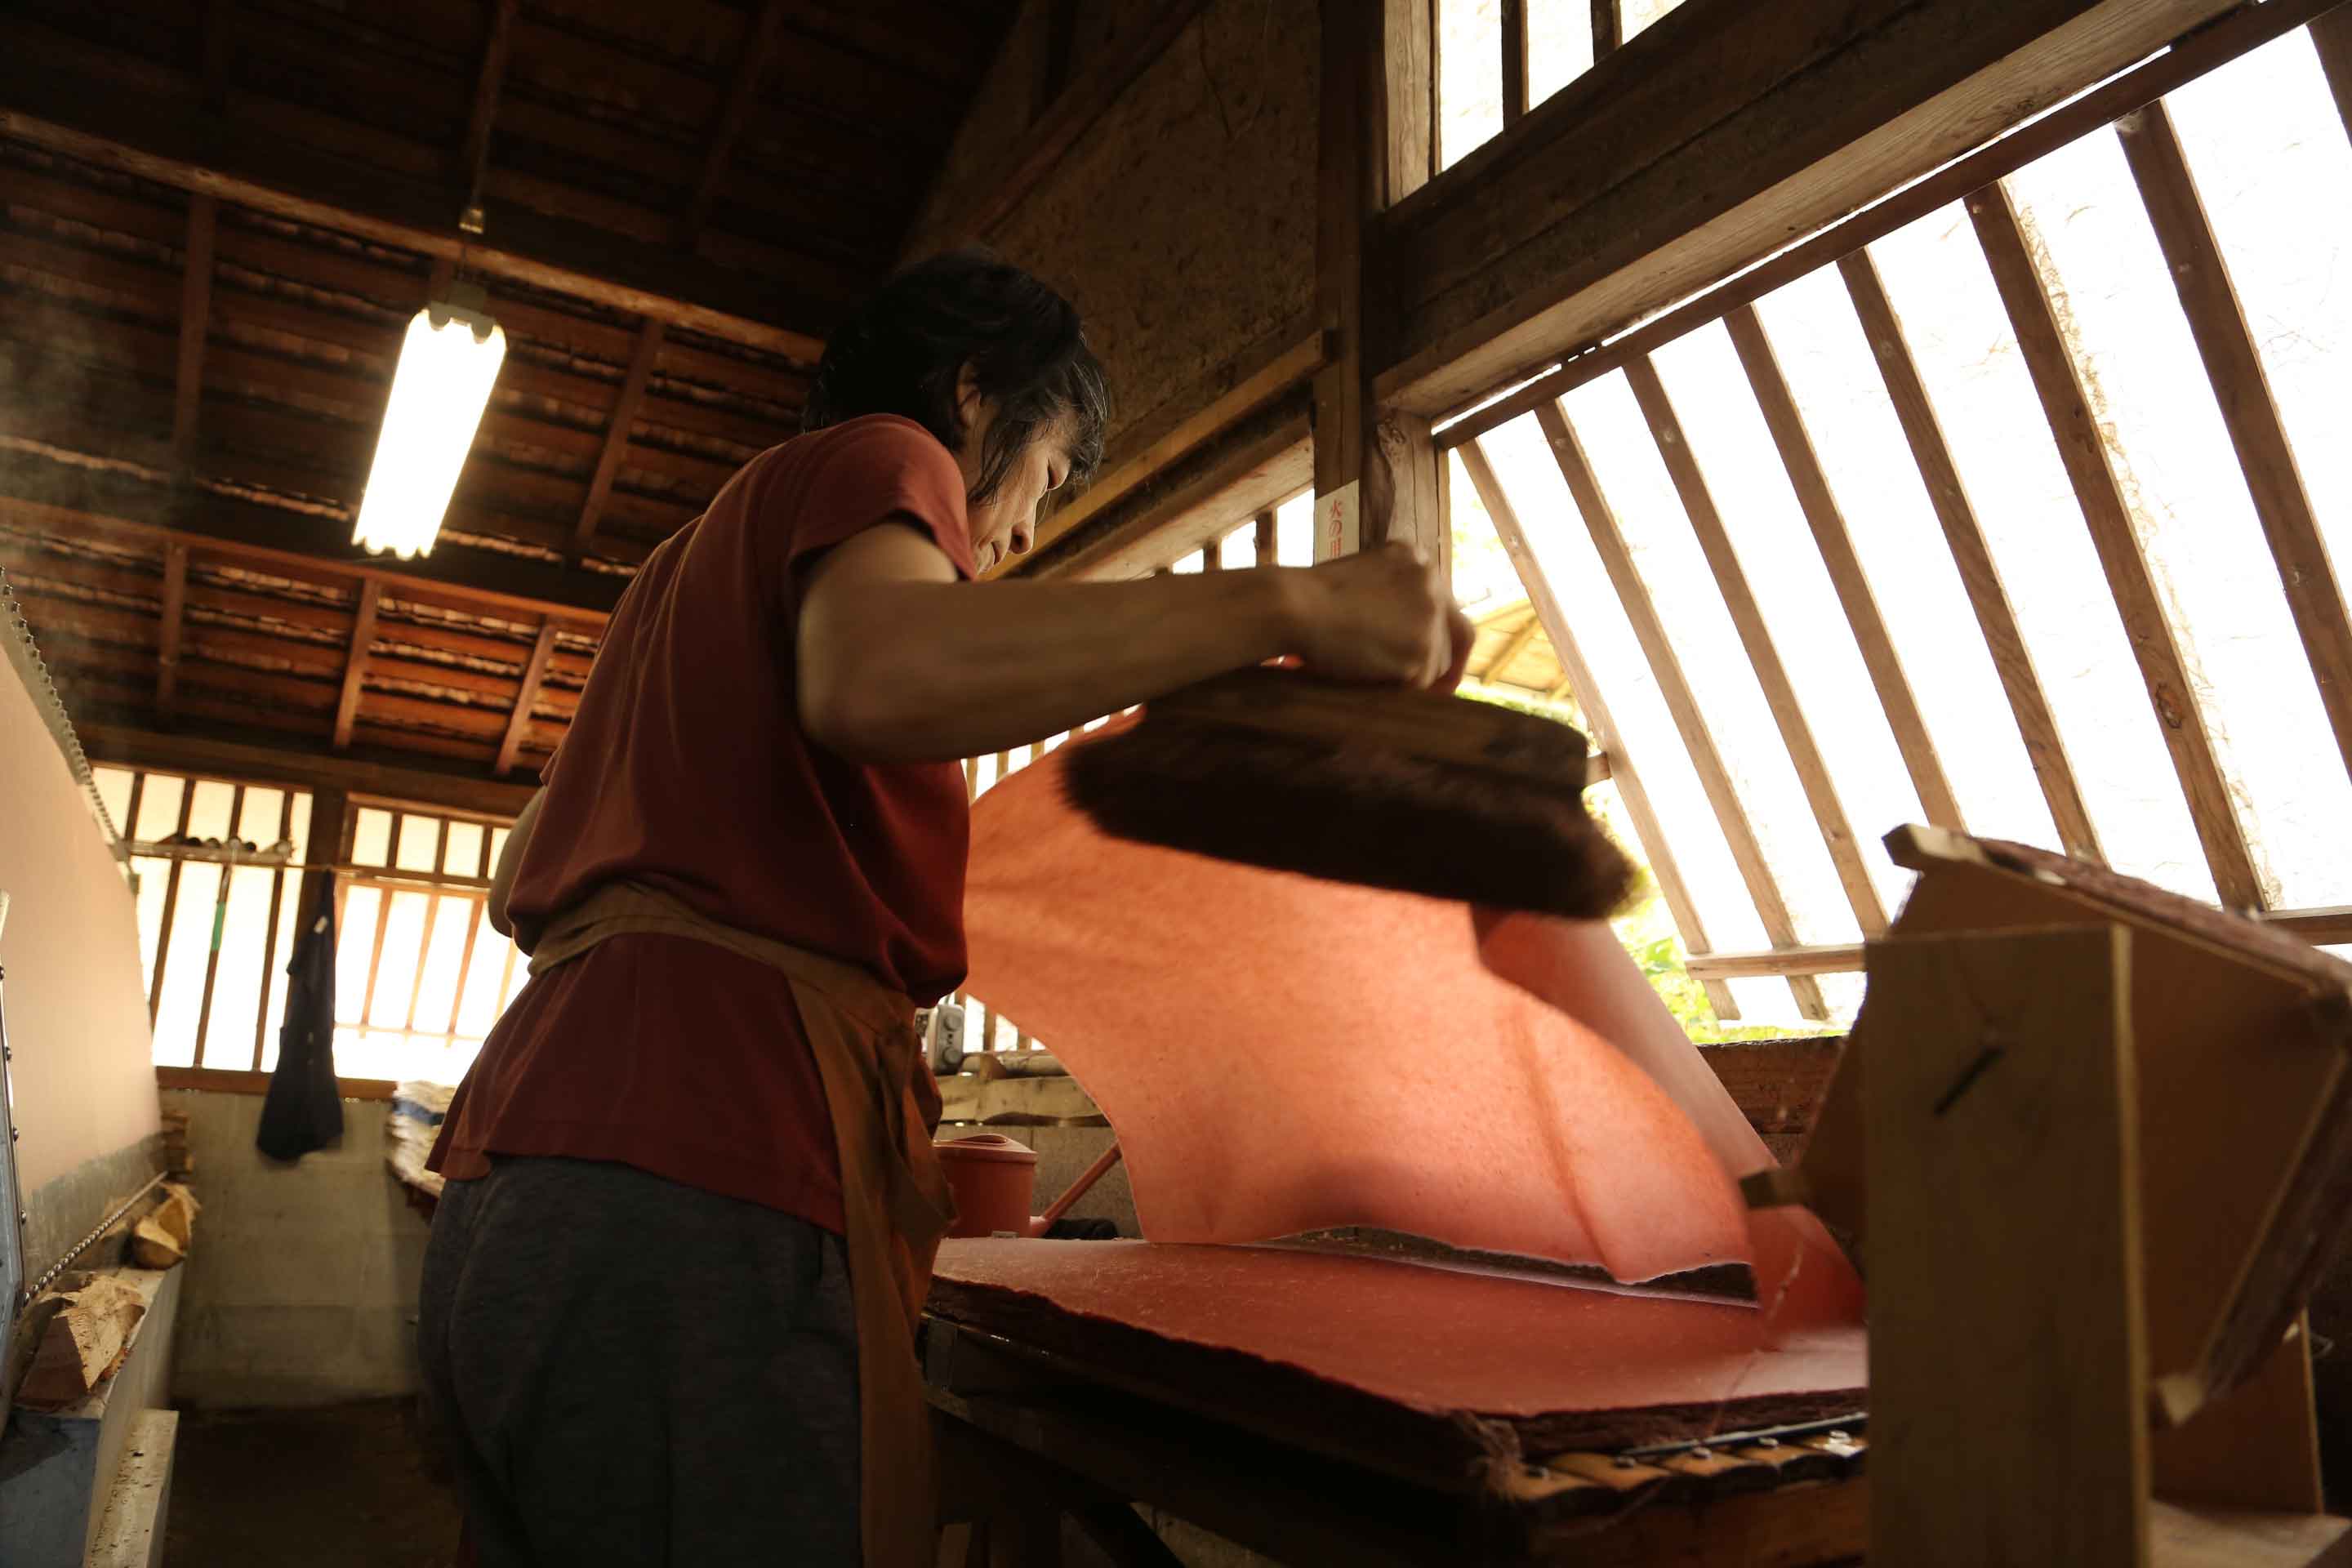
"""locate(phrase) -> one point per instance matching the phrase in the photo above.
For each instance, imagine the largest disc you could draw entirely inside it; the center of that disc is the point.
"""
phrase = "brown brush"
(1408, 790)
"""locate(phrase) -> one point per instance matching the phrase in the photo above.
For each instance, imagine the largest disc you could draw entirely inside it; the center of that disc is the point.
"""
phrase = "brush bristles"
(1374, 817)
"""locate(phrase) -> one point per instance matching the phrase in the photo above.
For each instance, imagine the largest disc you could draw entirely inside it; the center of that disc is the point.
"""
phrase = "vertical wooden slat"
(173, 614)
(375, 958)
(2066, 402)
(1212, 555)
(479, 902)
(1608, 32)
(2249, 409)
(347, 708)
(1601, 729)
(170, 903)
(1980, 576)
(518, 721)
(196, 319)
(1264, 539)
(431, 913)
(269, 940)
(220, 916)
(1609, 539)
(1408, 108)
(130, 817)
(1515, 58)
(1827, 521)
(626, 404)
(1756, 638)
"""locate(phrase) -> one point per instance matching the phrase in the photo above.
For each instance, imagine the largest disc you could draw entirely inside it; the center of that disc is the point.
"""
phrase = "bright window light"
(447, 362)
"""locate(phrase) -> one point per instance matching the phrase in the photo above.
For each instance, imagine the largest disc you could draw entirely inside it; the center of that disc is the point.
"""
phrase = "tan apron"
(894, 1194)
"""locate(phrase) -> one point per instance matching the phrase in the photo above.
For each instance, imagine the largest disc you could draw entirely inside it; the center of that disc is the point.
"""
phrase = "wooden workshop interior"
(1905, 437)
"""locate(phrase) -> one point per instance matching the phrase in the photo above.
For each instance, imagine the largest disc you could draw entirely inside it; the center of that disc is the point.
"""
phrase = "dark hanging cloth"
(304, 1110)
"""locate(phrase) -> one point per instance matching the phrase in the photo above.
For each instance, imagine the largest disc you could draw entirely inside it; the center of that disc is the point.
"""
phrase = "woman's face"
(1005, 524)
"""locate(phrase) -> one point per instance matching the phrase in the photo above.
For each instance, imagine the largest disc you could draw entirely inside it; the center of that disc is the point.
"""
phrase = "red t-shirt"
(686, 768)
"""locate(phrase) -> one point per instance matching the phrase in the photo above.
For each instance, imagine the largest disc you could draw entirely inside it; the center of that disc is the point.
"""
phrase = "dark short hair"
(902, 350)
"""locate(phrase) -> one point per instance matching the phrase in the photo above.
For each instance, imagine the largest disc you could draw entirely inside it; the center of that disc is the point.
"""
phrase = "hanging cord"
(34, 670)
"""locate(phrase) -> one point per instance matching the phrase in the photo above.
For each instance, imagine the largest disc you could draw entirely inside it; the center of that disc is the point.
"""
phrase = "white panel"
(1783, 563)
(1834, 381)
(1967, 356)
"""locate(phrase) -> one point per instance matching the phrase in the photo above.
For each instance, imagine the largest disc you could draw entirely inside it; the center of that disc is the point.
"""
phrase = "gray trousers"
(627, 1371)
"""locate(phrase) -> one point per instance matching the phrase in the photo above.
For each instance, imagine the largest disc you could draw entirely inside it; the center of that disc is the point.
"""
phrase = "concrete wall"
(1183, 223)
(83, 1077)
(301, 1286)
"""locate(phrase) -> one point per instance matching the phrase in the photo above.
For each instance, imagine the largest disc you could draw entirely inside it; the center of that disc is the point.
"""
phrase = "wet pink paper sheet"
(1282, 1054)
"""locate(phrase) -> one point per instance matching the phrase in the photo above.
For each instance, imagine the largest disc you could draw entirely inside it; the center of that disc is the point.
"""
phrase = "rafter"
(173, 616)
(71, 503)
(616, 436)
(742, 94)
(533, 675)
(175, 142)
(347, 707)
(474, 157)
(213, 752)
(196, 319)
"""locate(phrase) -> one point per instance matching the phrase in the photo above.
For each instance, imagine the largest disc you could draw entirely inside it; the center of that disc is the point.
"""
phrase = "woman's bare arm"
(899, 662)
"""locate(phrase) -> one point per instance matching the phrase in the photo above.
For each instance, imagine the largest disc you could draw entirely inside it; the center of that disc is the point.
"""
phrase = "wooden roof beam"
(519, 723)
(742, 94)
(474, 156)
(617, 437)
(347, 706)
(78, 502)
(174, 618)
(195, 320)
(176, 142)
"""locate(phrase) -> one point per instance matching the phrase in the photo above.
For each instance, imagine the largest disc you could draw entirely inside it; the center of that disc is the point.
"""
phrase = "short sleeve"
(879, 468)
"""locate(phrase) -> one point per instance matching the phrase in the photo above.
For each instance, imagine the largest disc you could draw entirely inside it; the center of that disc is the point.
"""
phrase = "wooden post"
(1265, 540)
(2008, 1335)
(1513, 16)
(1608, 32)
(322, 848)
(2066, 403)
(1375, 475)
(1964, 536)
(1730, 815)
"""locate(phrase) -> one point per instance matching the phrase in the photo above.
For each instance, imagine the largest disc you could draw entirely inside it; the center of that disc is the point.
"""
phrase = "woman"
(667, 1304)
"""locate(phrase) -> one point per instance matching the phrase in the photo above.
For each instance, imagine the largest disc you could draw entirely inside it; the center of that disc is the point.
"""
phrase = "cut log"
(83, 1340)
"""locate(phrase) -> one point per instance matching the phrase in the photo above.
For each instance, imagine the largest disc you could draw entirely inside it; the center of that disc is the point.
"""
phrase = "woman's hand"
(1382, 616)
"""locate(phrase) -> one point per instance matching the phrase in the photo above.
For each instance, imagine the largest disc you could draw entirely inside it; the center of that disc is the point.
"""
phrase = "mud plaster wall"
(1183, 223)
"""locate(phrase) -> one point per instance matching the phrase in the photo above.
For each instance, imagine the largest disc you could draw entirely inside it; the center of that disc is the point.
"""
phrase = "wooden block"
(81, 1342)
(2008, 1340)
(2256, 1448)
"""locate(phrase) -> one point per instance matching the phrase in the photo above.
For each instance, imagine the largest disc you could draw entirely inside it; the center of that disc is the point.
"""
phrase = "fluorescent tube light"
(447, 362)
